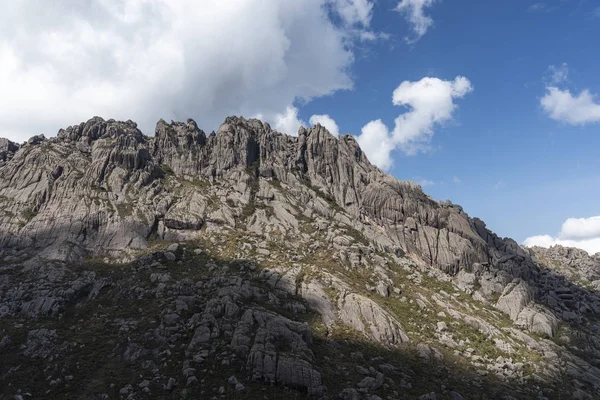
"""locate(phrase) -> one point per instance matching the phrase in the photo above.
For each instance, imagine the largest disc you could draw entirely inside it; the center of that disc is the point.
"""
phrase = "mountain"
(251, 264)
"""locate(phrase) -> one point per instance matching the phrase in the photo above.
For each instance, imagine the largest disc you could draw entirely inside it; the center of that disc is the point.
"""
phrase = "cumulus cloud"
(430, 103)
(64, 61)
(414, 10)
(583, 233)
(456, 179)
(581, 228)
(563, 106)
(376, 142)
(326, 121)
(288, 121)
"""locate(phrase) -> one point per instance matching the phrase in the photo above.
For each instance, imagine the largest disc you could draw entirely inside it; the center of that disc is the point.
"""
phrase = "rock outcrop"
(117, 169)
(7, 150)
(102, 187)
(239, 245)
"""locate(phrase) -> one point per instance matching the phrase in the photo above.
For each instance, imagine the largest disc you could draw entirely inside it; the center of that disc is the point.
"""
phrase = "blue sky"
(519, 170)
(494, 105)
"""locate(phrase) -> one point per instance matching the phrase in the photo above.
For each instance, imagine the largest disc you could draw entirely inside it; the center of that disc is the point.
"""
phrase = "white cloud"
(562, 106)
(377, 144)
(583, 233)
(354, 12)
(426, 182)
(558, 74)
(499, 185)
(326, 121)
(414, 10)
(542, 7)
(592, 246)
(581, 228)
(430, 102)
(64, 61)
(456, 180)
(537, 7)
(288, 122)
(369, 36)
(540, 240)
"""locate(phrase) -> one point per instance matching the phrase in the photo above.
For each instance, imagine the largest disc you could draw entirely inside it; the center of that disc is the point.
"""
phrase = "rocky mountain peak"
(117, 155)
(97, 128)
(574, 263)
(7, 150)
(240, 247)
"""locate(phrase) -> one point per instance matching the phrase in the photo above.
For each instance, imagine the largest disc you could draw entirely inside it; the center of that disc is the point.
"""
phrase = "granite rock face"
(102, 187)
(317, 242)
(97, 187)
(571, 262)
(7, 150)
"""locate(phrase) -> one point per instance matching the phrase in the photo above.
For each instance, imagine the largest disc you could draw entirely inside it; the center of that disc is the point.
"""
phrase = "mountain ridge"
(87, 133)
(332, 234)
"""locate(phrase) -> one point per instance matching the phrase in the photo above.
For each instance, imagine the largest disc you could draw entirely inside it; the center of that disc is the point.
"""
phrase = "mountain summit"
(251, 264)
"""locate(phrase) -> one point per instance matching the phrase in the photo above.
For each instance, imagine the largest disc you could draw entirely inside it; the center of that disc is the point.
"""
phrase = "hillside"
(251, 264)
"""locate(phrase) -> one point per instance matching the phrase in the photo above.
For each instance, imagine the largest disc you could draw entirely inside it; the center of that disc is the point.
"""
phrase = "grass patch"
(124, 209)
(142, 217)
(167, 170)
(325, 196)
(196, 183)
(28, 214)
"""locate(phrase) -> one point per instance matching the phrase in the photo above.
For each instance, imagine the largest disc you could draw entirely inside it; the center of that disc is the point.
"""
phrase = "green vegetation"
(196, 183)
(142, 217)
(254, 185)
(253, 175)
(78, 175)
(325, 196)
(124, 209)
(276, 183)
(166, 170)
(230, 250)
(248, 210)
(356, 235)
(28, 213)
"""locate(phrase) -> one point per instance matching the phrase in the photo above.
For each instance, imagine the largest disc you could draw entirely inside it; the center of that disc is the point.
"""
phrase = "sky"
(494, 105)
